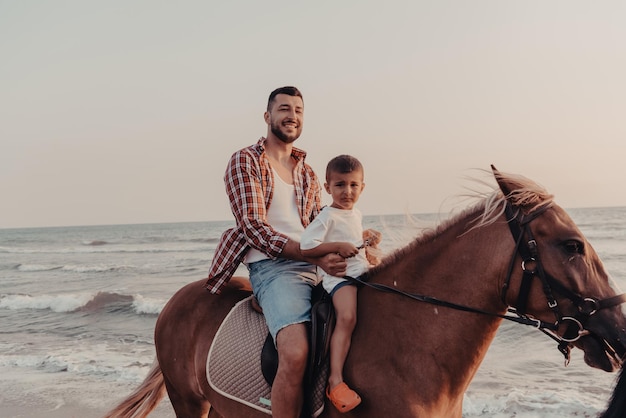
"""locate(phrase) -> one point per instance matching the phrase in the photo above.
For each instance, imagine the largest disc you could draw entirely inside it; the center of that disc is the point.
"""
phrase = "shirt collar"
(296, 153)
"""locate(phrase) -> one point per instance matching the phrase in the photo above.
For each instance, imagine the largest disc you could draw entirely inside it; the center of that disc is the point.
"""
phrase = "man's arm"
(332, 263)
(344, 249)
(248, 201)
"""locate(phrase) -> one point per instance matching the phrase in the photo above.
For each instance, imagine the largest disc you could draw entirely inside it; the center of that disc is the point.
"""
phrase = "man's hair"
(343, 164)
(289, 90)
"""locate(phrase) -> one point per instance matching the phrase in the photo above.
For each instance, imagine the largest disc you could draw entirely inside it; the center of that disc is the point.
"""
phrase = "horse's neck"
(429, 343)
(464, 267)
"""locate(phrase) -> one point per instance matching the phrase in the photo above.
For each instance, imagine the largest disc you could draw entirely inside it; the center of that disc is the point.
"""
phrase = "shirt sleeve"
(314, 234)
(246, 191)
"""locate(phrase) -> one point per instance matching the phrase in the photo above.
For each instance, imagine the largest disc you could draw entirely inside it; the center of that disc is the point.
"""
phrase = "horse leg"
(214, 414)
(183, 335)
(187, 406)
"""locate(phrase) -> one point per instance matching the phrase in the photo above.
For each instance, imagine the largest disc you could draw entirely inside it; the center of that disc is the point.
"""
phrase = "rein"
(524, 320)
(531, 267)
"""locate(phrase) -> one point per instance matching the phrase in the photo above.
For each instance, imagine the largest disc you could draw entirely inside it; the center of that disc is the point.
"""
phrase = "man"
(274, 195)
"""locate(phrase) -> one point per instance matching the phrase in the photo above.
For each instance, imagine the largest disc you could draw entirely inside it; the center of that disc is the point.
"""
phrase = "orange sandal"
(344, 398)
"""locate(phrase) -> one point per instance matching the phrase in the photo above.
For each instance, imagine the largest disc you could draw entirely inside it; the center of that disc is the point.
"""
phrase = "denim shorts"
(283, 288)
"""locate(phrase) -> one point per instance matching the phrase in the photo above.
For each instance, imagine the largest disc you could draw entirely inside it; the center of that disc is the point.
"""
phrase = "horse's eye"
(574, 247)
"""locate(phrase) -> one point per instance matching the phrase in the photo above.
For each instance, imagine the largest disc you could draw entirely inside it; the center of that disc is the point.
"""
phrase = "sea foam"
(143, 305)
(56, 303)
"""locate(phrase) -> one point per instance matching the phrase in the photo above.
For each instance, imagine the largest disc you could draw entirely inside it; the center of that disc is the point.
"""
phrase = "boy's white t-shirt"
(332, 225)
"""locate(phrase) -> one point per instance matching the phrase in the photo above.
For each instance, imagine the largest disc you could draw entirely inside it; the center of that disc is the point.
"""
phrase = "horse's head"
(557, 277)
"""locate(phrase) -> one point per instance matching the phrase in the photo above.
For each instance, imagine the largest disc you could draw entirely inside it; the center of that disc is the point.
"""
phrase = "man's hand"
(333, 264)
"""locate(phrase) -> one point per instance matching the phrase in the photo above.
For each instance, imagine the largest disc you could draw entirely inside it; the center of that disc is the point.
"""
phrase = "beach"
(78, 307)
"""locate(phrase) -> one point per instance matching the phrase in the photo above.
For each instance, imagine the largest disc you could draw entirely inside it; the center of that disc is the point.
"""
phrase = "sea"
(78, 307)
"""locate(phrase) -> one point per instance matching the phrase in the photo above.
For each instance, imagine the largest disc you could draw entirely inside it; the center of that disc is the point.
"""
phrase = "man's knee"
(293, 346)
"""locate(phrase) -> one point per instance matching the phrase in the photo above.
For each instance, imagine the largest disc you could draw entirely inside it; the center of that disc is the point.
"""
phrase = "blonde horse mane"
(525, 195)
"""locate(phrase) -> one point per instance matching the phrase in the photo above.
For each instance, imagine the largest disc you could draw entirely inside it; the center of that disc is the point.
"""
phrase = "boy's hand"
(373, 254)
(346, 249)
(373, 237)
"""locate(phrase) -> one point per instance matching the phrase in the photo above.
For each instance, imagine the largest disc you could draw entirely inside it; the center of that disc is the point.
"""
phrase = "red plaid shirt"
(250, 184)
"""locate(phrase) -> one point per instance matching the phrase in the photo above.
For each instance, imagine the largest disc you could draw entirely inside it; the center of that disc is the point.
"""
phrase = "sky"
(122, 111)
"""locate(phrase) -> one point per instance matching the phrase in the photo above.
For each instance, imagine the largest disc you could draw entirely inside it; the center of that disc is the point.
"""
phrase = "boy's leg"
(344, 301)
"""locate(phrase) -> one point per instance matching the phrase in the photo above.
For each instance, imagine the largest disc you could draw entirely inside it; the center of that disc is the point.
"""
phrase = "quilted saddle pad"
(234, 361)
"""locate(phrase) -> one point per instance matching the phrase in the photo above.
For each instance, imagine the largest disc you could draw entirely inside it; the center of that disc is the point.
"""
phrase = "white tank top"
(282, 215)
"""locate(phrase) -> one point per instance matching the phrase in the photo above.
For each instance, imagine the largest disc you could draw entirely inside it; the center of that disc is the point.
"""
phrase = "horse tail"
(144, 399)
(617, 405)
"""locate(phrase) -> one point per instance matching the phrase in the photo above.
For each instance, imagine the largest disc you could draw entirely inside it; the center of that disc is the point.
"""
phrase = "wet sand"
(8, 410)
(50, 396)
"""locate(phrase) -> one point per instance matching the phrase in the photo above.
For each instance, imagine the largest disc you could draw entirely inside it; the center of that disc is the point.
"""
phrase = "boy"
(338, 229)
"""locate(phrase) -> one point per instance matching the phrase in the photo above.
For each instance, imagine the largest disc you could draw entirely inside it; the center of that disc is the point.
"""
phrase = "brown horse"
(415, 358)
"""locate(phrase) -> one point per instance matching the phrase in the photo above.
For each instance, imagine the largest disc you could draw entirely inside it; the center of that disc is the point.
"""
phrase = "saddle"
(242, 361)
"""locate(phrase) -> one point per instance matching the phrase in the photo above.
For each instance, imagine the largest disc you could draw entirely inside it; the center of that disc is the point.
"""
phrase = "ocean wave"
(36, 267)
(84, 359)
(136, 304)
(527, 404)
(204, 240)
(96, 242)
(101, 301)
(45, 363)
(9, 266)
(148, 306)
(106, 249)
(98, 268)
(55, 303)
(182, 265)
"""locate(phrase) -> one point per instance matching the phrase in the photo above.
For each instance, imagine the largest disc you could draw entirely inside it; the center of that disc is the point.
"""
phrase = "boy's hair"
(343, 164)
(288, 90)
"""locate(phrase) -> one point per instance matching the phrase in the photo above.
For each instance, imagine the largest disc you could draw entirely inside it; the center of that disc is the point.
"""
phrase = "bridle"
(526, 247)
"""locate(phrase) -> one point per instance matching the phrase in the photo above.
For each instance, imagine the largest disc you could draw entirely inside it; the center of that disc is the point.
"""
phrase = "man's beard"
(287, 139)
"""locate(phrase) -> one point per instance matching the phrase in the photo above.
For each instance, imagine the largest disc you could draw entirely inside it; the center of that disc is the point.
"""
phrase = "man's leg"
(283, 289)
(293, 348)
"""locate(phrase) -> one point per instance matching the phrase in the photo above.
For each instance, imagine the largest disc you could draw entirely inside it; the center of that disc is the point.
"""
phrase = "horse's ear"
(504, 186)
(520, 191)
